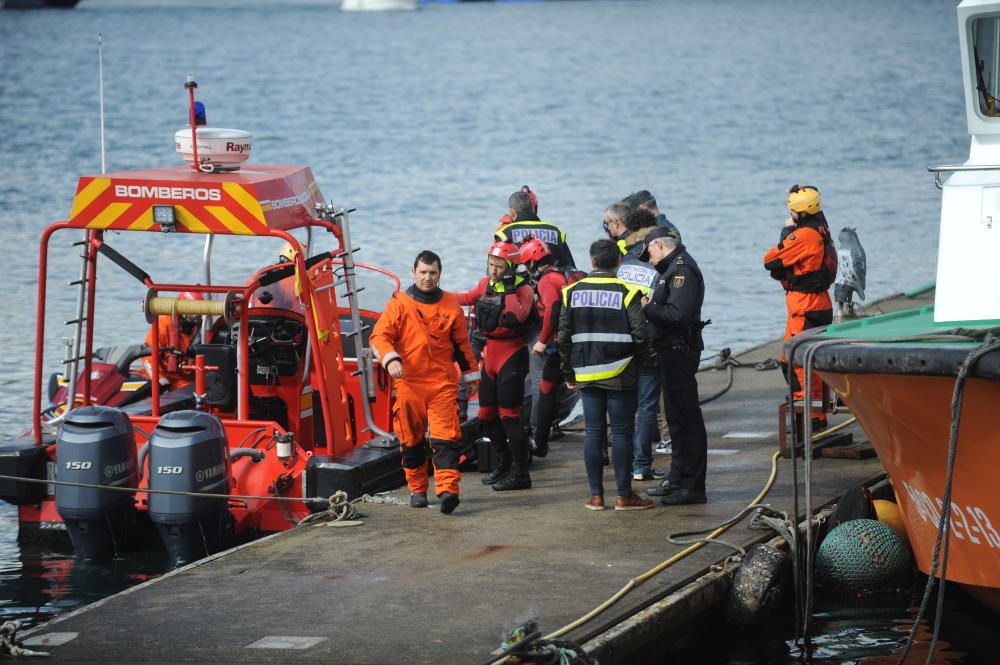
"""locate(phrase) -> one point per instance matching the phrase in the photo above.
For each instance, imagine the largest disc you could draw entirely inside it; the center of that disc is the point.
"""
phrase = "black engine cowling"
(22, 459)
(96, 445)
(188, 453)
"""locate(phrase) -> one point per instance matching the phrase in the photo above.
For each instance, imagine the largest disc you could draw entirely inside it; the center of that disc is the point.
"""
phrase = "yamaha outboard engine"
(96, 445)
(188, 453)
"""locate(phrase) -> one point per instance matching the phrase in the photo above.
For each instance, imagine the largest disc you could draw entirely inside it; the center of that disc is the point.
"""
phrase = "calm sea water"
(426, 121)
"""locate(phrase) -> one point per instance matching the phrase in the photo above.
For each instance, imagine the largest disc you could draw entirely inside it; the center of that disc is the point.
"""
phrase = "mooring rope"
(9, 643)
(133, 490)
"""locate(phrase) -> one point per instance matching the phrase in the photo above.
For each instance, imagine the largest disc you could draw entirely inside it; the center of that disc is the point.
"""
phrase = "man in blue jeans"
(602, 342)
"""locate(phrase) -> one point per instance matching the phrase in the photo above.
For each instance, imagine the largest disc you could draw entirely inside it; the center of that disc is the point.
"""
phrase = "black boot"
(546, 416)
(517, 479)
(501, 470)
(449, 502)
(498, 441)
(539, 445)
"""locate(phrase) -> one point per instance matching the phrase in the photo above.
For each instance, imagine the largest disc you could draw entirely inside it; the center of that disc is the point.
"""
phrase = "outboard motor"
(188, 453)
(96, 445)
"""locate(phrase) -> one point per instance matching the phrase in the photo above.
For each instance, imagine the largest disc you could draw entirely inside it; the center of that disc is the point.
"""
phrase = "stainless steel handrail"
(938, 170)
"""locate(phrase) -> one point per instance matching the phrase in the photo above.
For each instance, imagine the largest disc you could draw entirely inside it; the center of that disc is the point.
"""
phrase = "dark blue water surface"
(426, 121)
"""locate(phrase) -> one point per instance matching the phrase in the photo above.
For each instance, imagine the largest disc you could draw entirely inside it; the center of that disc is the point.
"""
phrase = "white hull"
(377, 5)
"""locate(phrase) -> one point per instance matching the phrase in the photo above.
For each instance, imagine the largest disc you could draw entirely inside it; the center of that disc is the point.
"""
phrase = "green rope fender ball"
(863, 556)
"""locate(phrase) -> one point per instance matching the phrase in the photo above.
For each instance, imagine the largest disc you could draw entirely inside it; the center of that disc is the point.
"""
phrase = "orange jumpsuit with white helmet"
(424, 331)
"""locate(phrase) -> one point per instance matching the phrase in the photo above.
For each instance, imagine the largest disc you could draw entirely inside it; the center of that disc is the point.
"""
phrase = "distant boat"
(378, 5)
(38, 4)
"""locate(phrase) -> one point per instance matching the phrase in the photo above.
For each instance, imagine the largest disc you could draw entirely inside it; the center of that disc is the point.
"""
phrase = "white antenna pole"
(100, 76)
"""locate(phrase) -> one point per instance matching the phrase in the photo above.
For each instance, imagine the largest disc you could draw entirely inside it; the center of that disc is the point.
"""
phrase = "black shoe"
(449, 502)
(497, 473)
(648, 474)
(664, 488)
(418, 500)
(517, 479)
(539, 449)
(557, 433)
(683, 497)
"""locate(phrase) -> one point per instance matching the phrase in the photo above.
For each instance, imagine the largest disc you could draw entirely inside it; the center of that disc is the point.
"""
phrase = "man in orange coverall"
(174, 336)
(805, 262)
(415, 340)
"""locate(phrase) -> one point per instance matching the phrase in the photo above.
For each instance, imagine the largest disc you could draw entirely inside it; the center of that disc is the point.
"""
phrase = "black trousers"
(689, 460)
(501, 397)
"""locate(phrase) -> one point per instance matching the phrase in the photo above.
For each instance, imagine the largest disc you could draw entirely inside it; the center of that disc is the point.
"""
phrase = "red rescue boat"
(260, 389)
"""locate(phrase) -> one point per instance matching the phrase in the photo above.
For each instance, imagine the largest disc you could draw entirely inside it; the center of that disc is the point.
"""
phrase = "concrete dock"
(416, 586)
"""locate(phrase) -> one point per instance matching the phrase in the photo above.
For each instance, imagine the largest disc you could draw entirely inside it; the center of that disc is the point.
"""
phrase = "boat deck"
(416, 586)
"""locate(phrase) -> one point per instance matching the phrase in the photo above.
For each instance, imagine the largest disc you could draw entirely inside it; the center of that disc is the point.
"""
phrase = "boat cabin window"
(986, 64)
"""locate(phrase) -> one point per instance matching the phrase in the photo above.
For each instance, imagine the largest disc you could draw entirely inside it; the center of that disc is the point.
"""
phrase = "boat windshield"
(986, 61)
(378, 286)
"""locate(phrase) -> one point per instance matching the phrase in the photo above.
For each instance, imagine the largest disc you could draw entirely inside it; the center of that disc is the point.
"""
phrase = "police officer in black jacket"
(674, 310)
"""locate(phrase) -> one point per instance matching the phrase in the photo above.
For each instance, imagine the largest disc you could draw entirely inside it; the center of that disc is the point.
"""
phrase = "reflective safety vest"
(637, 273)
(602, 339)
(521, 232)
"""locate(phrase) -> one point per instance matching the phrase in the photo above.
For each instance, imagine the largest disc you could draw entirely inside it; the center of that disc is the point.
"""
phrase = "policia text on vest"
(601, 331)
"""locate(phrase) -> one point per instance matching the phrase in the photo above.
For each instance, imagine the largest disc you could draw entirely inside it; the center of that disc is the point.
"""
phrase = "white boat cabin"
(968, 273)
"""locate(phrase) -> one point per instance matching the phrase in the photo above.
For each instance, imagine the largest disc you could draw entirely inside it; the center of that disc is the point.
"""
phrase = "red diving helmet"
(506, 250)
(534, 250)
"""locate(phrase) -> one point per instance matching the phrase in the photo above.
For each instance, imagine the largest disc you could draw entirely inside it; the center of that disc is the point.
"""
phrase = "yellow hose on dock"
(633, 583)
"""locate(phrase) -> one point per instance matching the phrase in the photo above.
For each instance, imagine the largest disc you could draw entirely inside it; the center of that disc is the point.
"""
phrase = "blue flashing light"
(199, 114)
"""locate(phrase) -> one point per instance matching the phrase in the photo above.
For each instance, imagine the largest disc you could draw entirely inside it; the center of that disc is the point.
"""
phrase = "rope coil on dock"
(9, 645)
(340, 510)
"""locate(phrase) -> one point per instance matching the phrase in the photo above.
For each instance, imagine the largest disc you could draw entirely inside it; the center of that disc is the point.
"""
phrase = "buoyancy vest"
(491, 318)
(817, 281)
(603, 345)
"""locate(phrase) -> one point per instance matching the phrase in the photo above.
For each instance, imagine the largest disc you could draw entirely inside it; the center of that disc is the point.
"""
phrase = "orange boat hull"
(907, 418)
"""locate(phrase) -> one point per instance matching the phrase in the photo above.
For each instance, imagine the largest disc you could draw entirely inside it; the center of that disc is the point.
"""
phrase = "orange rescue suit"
(799, 255)
(424, 332)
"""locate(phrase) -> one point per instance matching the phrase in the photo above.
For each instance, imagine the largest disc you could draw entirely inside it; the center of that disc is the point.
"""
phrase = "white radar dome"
(218, 149)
